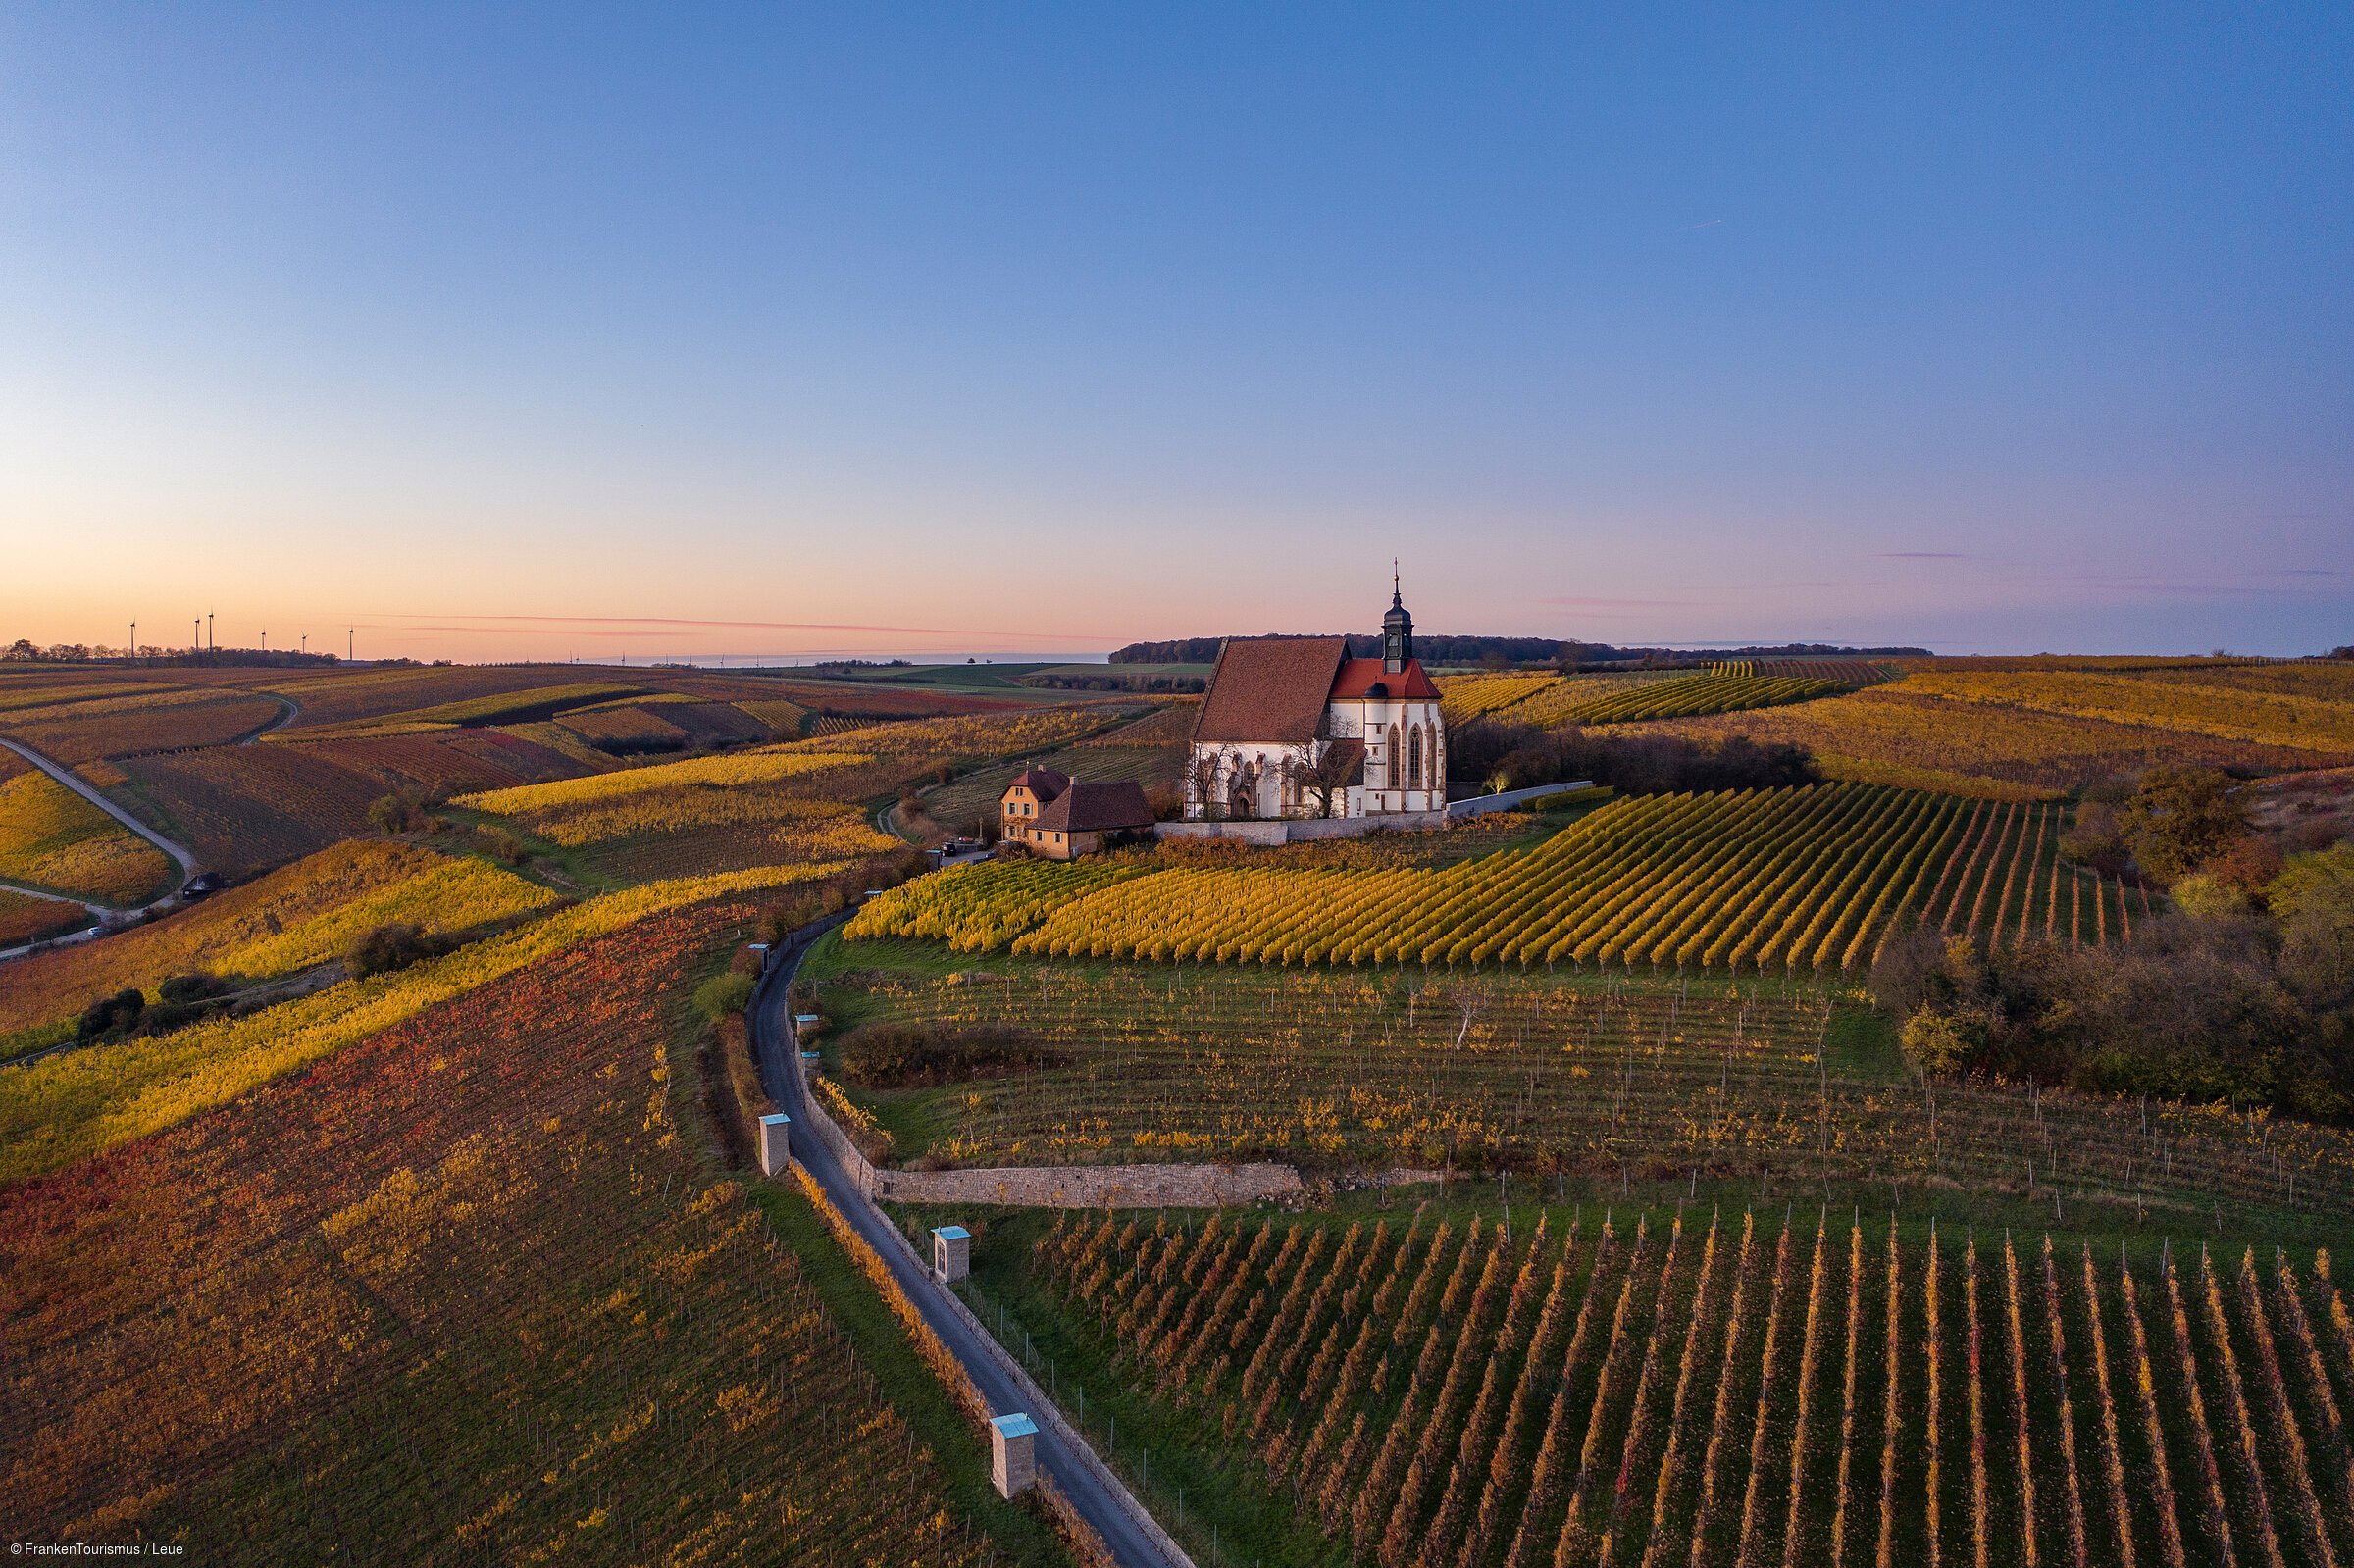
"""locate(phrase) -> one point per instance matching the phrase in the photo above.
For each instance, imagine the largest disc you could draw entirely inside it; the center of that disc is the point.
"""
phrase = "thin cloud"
(1921, 555)
(2180, 588)
(625, 625)
(1691, 228)
(1581, 602)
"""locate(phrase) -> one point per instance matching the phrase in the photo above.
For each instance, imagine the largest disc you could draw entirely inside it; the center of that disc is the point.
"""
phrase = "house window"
(1058, 837)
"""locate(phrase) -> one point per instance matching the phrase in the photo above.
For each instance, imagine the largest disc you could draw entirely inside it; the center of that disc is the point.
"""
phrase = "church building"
(1293, 728)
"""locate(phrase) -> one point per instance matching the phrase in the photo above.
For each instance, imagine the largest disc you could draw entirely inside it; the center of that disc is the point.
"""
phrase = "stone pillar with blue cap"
(951, 1253)
(1012, 1453)
(776, 1146)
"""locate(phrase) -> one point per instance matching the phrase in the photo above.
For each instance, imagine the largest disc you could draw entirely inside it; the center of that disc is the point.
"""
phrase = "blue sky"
(502, 331)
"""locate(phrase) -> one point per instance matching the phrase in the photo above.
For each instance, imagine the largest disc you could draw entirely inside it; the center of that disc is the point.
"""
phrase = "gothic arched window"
(1414, 758)
(1393, 766)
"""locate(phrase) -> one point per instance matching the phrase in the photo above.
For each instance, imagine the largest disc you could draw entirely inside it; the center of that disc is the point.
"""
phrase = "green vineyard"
(1812, 878)
(975, 914)
(1689, 696)
(1737, 1391)
(1599, 1073)
(1545, 700)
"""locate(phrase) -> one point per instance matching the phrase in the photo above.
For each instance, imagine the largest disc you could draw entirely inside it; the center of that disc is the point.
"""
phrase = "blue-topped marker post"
(951, 1253)
(1012, 1453)
(776, 1143)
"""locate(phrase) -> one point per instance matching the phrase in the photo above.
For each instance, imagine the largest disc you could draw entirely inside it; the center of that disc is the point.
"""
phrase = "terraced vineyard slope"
(302, 915)
(2034, 730)
(765, 805)
(52, 838)
(472, 1290)
(1806, 879)
(1617, 699)
(1563, 1072)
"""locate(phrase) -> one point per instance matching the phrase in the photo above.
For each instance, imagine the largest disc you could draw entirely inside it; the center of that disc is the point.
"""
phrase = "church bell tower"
(1396, 632)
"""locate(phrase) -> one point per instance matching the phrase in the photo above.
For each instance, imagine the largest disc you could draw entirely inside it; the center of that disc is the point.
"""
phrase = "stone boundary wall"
(1267, 832)
(1052, 1187)
(1092, 1187)
(1481, 805)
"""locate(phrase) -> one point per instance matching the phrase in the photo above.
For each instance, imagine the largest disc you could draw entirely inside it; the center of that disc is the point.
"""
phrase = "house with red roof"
(1295, 727)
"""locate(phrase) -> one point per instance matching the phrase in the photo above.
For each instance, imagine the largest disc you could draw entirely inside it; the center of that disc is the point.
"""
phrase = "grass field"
(1691, 1385)
(475, 1289)
(444, 1261)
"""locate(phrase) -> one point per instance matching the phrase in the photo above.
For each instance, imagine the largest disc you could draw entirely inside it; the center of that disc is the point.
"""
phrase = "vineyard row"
(1806, 879)
(1736, 1393)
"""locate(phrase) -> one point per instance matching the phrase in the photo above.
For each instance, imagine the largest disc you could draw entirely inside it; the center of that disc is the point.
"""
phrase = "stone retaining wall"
(1052, 1187)
(1092, 1187)
(1270, 831)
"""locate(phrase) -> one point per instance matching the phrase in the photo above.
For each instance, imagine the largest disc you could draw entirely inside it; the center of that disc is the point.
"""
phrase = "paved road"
(83, 788)
(1092, 1489)
(31, 891)
(72, 780)
(98, 913)
(287, 710)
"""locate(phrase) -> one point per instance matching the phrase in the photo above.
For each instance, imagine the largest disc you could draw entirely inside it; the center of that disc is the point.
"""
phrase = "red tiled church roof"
(1359, 678)
(1270, 688)
(1097, 807)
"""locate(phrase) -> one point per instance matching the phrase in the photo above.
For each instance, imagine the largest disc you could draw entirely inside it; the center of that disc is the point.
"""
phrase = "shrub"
(501, 845)
(2205, 897)
(1940, 1043)
(2094, 840)
(724, 995)
(1510, 756)
(905, 1055)
(2179, 817)
(183, 990)
(384, 948)
(114, 1014)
